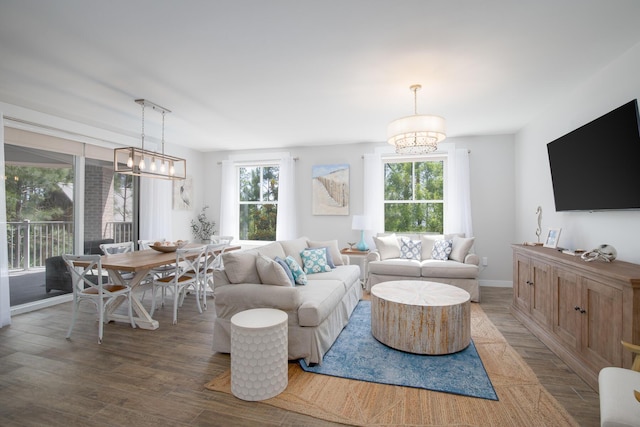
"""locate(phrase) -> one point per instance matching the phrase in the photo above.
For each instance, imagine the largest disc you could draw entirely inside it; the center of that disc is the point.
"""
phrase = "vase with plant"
(202, 227)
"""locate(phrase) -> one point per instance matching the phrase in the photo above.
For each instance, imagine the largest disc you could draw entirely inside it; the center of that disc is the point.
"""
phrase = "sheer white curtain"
(373, 202)
(286, 225)
(5, 304)
(155, 209)
(458, 211)
(228, 212)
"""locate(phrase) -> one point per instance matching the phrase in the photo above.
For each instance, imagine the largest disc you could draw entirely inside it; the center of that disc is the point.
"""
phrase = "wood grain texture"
(140, 377)
(421, 317)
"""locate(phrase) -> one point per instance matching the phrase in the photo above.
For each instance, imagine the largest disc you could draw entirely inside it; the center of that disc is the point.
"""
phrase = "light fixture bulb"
(141, 165)
(162, 167)
(172, 170)
(130, 161)
(153, 164)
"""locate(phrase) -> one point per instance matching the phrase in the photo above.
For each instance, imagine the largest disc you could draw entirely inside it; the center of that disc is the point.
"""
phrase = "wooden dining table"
(140, 263)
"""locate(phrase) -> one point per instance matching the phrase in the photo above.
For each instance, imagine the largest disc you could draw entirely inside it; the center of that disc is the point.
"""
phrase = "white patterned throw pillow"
(315, 260)
(442, 249)
(410, 249)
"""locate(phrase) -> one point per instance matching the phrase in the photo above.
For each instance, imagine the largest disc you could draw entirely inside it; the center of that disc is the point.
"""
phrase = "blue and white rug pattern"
(357, 355)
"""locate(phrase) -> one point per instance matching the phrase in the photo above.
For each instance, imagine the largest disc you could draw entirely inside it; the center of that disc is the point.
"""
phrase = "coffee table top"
(415, 292)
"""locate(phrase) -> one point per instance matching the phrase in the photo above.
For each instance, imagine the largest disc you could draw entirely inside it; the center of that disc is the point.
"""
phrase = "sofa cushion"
(287, 270)
(271, 273)
(388, 246)
(294, 247)
(427, 241)
(240, 266)
(448, 269)
(299, 276)
(441, 249)
(333, 250)
(460, 248)
(410, 249)
(396, 267)
(347, 274)
(319, 299)
(272, 250)
(314, 260)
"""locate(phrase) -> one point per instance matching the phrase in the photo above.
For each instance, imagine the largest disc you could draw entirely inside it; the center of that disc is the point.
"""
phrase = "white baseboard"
(496, 283)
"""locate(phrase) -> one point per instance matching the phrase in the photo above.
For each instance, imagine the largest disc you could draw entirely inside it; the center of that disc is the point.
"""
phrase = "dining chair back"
(212, 261)
(185, 276)
(89, 283)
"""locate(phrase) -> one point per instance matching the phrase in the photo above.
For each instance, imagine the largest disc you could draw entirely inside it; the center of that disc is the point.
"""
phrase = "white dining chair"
(90, 284)
(185, 276)
(211, 262)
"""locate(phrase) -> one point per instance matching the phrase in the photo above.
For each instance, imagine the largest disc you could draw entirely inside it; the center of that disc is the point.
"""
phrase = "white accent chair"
(90, 284)
(185, 276)
(620, 393)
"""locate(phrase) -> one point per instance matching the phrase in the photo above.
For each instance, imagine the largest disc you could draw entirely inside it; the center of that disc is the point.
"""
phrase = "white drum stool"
(259, 353)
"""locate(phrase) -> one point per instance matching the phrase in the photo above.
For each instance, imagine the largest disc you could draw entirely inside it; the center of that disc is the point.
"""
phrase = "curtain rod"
(295, 159)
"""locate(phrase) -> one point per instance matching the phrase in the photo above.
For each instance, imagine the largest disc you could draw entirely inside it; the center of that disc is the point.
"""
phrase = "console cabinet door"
(566, 318)
(540, 302)
(521, 279)
(601, 324)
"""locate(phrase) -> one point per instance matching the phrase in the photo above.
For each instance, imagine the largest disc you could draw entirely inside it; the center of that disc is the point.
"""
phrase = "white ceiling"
(275, 73)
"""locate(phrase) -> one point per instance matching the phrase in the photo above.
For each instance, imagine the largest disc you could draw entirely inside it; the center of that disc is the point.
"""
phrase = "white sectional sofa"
(411, 257)
(317, 311)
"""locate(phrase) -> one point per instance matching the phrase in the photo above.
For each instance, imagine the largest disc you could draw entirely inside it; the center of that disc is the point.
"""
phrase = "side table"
(259, 353)
(360, 257)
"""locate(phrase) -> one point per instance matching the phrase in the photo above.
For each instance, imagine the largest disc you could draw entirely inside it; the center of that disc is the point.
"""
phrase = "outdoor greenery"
(202, 227)
(414, 196)
(36, 193)
(258, 202)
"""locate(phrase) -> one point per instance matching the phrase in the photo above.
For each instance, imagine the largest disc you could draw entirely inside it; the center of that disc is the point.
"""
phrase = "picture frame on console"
(553, 235)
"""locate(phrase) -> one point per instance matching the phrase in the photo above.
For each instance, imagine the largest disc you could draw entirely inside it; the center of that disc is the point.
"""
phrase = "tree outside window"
(258, 200)
(414, 196)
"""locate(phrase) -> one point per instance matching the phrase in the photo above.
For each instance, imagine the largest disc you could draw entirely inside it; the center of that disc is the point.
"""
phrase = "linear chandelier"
(141, 162)
(417, 134)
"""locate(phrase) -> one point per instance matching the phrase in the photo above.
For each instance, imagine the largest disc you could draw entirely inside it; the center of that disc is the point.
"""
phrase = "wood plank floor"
(155, 378)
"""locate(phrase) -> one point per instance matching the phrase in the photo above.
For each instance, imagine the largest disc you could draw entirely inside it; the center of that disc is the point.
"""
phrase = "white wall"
(612, 87)
(492, 189)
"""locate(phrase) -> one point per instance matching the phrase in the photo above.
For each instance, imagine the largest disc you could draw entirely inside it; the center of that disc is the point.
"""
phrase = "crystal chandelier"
(152, 164)
(417, 134)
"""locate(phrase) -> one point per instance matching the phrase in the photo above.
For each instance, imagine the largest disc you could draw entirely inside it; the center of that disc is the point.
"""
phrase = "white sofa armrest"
(472, 259)
(373, 256)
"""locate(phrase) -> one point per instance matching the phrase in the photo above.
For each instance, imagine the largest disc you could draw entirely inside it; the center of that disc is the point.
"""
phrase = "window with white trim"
(258, 201)
(414, 194)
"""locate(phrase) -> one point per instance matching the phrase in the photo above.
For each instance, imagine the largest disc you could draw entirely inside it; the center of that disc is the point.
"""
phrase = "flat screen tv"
(597, 166)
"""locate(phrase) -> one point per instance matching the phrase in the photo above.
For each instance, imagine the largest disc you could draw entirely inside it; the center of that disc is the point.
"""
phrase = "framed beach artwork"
(182, 193)
(552, 238)
(330, 189)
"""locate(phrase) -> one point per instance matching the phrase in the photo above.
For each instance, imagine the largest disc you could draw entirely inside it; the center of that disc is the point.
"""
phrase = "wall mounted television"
(597, 166)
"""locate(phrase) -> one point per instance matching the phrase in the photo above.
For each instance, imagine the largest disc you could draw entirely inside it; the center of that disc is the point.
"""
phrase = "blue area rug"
(357, 355)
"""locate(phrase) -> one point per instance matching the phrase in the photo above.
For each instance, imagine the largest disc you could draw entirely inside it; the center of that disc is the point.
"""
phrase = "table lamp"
(361, 222)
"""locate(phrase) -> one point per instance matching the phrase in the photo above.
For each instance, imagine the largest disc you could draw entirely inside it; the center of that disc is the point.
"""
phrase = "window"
(258, 201)
(414, 195)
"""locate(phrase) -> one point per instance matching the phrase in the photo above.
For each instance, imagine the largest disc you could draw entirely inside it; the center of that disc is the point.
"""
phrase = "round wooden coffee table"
(421, 317)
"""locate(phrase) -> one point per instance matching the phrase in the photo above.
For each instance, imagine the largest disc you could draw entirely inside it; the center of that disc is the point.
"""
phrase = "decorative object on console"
(417, 134)
(606, 253)
(151, 164)
(552, 238)
(361, 222)
(539, 229)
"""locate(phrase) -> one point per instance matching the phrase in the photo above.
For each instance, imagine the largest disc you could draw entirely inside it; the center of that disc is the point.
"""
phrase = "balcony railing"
(30, 243)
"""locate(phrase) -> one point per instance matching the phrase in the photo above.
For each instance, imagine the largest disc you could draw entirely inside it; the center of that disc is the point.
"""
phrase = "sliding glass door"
(48, 201)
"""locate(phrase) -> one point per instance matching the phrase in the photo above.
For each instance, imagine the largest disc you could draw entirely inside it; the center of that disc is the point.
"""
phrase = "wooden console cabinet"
(580, 310)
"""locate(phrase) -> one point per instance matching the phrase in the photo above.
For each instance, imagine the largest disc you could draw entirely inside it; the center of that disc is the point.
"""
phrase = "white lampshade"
(360, 222)
(417, 134)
